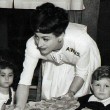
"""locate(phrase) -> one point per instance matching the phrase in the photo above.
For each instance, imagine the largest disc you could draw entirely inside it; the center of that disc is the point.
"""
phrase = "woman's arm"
(21, 96)
(29, 64)
(81, 70)
(76, 84)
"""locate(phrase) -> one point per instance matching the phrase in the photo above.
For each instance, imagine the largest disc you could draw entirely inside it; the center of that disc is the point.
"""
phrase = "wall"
(104, 31)
(3, 29)
(89, 16)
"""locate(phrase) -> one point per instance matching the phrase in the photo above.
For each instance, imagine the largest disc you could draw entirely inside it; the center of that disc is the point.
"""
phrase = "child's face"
(101, 88)
(6, 77)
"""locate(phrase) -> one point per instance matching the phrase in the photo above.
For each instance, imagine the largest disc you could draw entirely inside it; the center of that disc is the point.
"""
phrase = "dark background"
(103, 31)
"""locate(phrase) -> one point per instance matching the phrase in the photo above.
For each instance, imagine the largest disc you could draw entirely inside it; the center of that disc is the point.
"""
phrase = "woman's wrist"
(71, 93)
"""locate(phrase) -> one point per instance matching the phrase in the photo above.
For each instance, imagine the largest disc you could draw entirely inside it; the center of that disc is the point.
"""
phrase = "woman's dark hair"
(49, 19)
(101, 72)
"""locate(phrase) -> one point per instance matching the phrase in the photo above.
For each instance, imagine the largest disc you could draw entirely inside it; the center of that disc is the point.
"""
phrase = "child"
(100, 99)
(6, 80)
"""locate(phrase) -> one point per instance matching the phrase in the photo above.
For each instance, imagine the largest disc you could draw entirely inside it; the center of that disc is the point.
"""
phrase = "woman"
(69, 56)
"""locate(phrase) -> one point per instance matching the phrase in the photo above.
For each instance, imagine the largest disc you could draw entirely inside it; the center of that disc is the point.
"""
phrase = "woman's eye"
(2, 75)
(107, 86)
(45, 39)
(97, 85)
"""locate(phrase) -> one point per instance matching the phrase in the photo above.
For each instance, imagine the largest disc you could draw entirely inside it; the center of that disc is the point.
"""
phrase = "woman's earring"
(59, 41)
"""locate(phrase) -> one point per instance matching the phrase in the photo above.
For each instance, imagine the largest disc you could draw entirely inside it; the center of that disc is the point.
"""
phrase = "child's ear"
(91, 88)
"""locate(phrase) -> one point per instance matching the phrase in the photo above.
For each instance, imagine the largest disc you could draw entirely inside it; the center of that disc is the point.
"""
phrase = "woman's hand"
(71, 94)
(86, 108)
(17, 108)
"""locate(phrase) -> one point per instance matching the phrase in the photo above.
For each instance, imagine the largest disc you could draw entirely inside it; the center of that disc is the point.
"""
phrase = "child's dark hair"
(49, 19)
(101, 72)
(6, 64)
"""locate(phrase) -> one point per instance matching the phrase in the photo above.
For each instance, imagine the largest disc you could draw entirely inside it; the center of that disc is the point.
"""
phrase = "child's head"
(101, 82)
(6, 74)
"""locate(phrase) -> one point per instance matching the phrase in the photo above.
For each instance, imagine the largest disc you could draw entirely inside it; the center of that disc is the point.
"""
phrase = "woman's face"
(101, 88)
(6, 77)
(47, 43)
